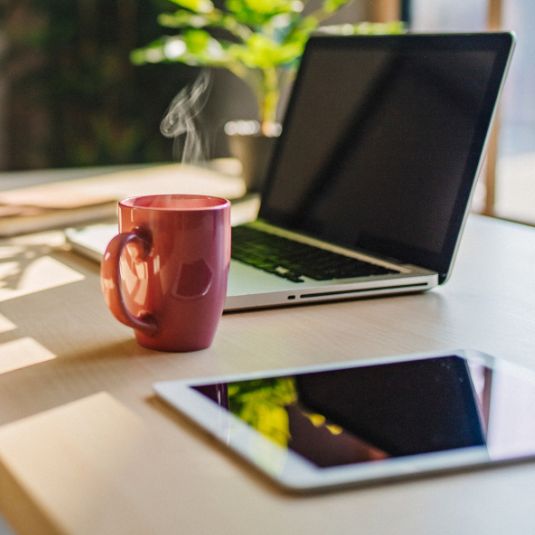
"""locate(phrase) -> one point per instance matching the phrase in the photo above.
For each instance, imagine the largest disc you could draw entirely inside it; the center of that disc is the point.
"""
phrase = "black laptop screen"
(382, 141)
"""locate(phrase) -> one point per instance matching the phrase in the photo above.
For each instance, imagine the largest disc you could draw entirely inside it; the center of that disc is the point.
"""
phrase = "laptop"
(371, 179)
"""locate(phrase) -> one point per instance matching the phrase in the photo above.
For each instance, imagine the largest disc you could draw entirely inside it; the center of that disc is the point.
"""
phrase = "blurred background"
(70, 97)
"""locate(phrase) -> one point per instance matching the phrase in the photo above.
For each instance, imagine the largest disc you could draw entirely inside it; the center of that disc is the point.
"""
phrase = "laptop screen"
(382, 141)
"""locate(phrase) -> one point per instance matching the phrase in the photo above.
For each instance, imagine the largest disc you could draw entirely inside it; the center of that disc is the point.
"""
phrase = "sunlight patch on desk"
(25, 275)
(6, 325)
(73, 461)
(10, 251)
(21, 353)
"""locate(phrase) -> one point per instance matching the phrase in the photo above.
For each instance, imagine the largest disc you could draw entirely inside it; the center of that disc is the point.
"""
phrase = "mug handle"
(110, 278)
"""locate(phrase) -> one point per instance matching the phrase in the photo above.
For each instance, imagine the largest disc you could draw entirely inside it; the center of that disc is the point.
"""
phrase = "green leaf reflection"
(261, 404)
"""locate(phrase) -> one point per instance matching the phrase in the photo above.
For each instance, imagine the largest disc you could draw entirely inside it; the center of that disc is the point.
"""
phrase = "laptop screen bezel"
(501, 43)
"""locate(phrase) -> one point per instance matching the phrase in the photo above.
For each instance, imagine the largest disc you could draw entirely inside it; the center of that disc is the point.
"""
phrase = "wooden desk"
(85, 448)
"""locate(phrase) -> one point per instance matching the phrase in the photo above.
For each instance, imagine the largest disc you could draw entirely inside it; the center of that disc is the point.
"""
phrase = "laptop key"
(294, 260)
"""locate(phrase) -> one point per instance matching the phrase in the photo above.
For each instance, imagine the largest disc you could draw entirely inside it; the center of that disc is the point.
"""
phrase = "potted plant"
(259, 41)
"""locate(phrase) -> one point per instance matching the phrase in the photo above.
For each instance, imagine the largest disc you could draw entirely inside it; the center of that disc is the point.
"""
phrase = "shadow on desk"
(4, 528)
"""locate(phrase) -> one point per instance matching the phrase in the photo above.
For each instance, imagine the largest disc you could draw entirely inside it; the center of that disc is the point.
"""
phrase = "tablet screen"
(360, 414)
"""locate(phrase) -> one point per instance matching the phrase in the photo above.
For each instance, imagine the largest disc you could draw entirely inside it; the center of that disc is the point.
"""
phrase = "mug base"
(151, 343)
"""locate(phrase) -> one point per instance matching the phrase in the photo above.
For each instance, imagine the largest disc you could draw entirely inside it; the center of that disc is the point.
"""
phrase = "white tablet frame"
(294, 472)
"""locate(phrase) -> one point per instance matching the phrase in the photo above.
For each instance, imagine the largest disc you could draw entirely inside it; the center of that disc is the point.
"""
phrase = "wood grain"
(86, 448)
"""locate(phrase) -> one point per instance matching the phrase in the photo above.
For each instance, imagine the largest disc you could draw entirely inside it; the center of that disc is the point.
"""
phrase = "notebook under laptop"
(371, 179)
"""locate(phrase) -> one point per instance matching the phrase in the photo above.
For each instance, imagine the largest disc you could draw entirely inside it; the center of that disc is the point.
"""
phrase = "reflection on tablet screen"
(369, 413)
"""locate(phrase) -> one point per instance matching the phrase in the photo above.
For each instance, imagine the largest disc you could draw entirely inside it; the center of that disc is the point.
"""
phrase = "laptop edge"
(251, 288)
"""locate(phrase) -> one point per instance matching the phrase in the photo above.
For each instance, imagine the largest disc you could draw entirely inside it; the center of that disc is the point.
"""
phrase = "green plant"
(260, 41)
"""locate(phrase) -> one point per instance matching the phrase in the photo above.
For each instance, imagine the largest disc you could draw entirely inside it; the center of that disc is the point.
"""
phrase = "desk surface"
(86, 448)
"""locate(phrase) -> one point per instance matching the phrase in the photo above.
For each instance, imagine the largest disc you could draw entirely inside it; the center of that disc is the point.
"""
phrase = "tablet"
(358, 422)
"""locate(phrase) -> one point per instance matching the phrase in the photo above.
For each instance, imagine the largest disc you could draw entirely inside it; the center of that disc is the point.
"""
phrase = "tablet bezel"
(294, 472)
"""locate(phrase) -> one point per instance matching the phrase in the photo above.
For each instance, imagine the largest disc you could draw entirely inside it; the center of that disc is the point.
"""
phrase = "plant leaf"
(151, 53)
(182, 19)
(260, 52)
(272, 7)
(257, 13)
(331, 6)
(197, 6)
(216, 19)
(197, 41)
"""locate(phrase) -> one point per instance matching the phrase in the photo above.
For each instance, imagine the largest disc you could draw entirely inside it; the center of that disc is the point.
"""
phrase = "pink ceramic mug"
(165, 273)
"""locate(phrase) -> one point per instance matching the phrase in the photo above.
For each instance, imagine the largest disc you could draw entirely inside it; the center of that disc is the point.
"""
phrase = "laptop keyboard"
(293, 260)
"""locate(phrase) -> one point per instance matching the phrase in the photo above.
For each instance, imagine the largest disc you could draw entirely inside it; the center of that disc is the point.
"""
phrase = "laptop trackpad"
(244, 280)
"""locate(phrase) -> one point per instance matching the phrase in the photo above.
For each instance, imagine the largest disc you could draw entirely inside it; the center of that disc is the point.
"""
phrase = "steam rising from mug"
(181, 120)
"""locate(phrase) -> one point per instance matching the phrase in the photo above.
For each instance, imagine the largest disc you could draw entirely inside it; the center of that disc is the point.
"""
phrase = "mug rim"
(219, 203)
